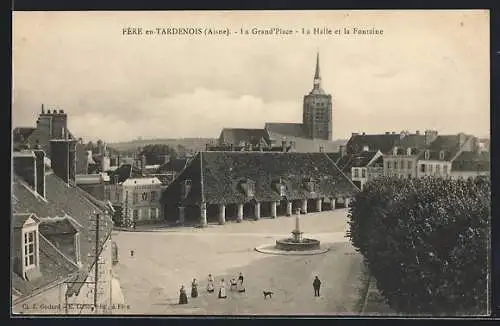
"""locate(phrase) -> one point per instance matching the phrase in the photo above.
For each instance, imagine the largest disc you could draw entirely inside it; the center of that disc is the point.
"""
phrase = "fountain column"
(203, 215)
(273, 209)
(304, 206)
(289, 208)
(297, 234)
(182, 214)
(257, 210)
(319, 202)
(222, 214)
(240, 213)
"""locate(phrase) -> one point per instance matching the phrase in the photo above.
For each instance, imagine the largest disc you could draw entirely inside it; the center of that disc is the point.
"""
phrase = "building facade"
(219, 186)
(138, 198)
(61, 235)
(366, 166)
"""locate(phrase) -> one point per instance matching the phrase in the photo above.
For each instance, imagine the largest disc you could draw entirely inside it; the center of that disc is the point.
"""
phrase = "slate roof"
(472, 161)
(216, 177)
(382, 142)
(61, 200)
(362, 159)
(124, 172)
(236, 136)
(413, 141)
(334, 156)
(447, 143)
(286, 129)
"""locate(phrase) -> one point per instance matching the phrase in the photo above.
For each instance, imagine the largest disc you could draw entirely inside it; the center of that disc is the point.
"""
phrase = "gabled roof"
(19, 220)
(216, 177)
(472, 161)
(62, 199)
(237, 136)
(57, 226)
(362, 159)
(285, 129)
(124, 172)
(382, 142)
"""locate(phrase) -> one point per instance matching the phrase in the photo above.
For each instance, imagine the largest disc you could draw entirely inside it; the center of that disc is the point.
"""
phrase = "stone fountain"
(297, 242)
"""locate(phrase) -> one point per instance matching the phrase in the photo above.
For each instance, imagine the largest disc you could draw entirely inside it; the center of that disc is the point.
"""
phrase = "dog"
(268, 294)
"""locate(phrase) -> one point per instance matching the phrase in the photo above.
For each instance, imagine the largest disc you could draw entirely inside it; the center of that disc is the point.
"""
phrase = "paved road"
(164, 260)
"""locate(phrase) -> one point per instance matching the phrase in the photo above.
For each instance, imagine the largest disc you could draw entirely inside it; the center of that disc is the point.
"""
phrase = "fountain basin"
(291, 244)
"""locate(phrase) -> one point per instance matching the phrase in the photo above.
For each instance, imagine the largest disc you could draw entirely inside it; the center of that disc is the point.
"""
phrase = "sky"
(428, 70)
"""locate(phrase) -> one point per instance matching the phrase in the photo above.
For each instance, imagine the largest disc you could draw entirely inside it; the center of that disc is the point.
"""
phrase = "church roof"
(236, 136)
(285, 129)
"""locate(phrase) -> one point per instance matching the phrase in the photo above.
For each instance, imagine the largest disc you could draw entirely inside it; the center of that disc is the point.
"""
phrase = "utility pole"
(96, 268)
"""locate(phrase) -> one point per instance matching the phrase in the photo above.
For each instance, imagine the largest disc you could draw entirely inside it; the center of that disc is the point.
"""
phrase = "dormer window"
(247, 186)
(441, 155)
(26, 238)
(280, 187)
(408, 151)
(309, 184)
(427, 154)
(29, 249)
(395, 151)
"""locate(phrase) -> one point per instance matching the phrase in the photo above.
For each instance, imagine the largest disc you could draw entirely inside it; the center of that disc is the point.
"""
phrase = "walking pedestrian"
(210, 284)
(240, 278)
(183, 299)
(194, 288)
(222, 290)
(316, 286)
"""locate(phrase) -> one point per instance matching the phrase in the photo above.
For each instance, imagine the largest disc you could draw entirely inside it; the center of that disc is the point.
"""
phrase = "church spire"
(317, 75)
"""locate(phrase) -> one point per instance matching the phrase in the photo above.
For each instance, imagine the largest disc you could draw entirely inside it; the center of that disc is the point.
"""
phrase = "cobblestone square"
(166, 258)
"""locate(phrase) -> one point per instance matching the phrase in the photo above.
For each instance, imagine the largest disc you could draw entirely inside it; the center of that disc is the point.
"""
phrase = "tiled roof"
(61, 200)
(472, 161)
(413, 141)
(54, 268)
(236, 136)
(286, 129)
(216, 177)
(382, 142)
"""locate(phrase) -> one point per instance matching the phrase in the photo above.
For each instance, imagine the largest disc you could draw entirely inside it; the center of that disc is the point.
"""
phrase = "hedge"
(425, 241)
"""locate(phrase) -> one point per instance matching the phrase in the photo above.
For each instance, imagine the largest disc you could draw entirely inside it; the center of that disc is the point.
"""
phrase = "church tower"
(317, 110)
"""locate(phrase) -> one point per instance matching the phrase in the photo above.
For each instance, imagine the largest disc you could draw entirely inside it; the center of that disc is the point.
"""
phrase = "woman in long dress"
(210, 284)
(183, 299)
(222, 290)
(194, 288)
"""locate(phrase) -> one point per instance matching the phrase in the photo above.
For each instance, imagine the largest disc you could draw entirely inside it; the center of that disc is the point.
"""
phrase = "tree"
(425, 241)
(155, 153)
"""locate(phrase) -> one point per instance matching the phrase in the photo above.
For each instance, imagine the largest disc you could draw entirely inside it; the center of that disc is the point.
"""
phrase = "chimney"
(461, 138)
(40, 171)
(63, 159)
(417, 132)
(387, 133)
(143, 161)
(342, 150)
(250, 147)
(364, 133)
(283, 146)
(25, 167)
(231, 147)
(43, 109)
(430, 136)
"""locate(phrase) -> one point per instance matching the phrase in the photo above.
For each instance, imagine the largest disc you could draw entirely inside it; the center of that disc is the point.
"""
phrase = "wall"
(142, 206)
(443, 170)
(402, 166)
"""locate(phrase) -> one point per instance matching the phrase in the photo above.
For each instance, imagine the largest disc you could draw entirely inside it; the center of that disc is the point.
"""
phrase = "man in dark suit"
(316, 286)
